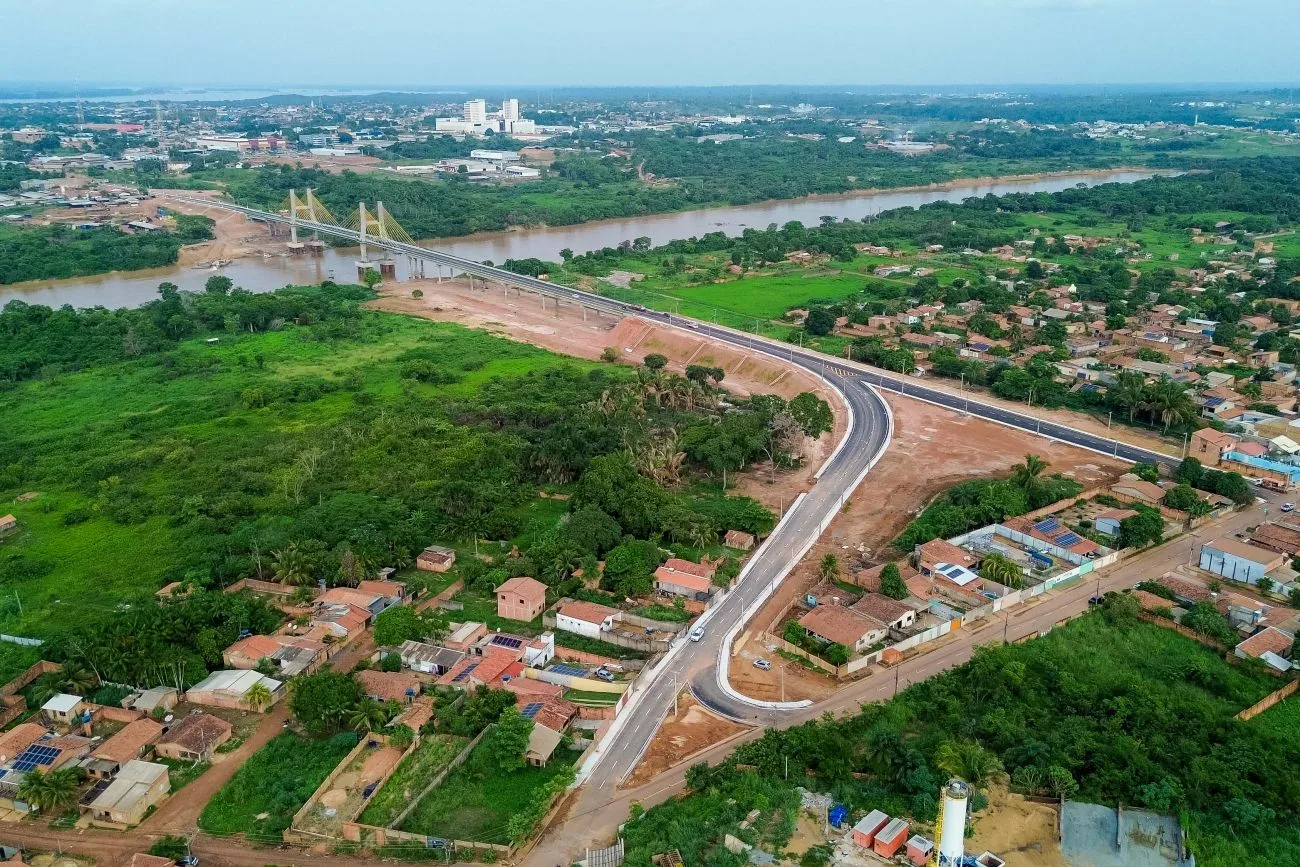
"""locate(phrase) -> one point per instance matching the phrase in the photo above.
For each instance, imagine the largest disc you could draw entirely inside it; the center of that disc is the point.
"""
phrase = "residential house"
(521, 598)
(1054, 533)
(1271, 645)
(231, 689)
(1138, 490)
(436, 558)
(465, 635)
(341, 620)
(836, 624)
(428, 658)
(139, 786)
(388, 685)
(8, 524)
(133, 742)
(486, 670)
(1239, 561)
(148, 700)
(194, 738)
(739, 540)
(542, 743)
(19, 738)
(936, 551)
(585, 618)
(248, 652)
(679, 577)
(64, 709)
(1109, 521)
(532, 652)
(1282, 538)
(891, 612)
(1209, 446)
(388, 593)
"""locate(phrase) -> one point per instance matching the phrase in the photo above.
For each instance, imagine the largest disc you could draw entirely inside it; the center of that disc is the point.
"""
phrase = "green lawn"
(182, 773)
(276, 781)
(470, 805)
(770, 297)
(597, 699)
(433, 754)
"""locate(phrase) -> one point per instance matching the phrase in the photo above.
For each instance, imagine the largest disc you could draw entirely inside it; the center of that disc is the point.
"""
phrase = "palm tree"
(1169, 401)
(76, 679)
(969, 761)
(291, 565)
(258, 697)
(829, 568)
(367, 717)
(50, 791)
(1025, 475)
(1128, 392)
(997, 567)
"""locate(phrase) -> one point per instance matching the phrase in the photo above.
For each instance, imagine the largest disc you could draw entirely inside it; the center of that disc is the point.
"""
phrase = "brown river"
(262, 273)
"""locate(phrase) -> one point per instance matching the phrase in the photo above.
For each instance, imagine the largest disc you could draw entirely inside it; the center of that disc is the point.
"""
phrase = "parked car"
(697, 633)
(605, 674)
(763, 664)
(1096, 600)
(1257, 482)
(188, 861)
(1288, 507)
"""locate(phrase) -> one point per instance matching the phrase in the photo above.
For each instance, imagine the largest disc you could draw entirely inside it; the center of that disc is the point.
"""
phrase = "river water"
(130, 288)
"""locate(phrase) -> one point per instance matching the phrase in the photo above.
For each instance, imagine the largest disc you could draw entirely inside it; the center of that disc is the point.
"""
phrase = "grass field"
(276, 781)
(433, 754)
(474, 806)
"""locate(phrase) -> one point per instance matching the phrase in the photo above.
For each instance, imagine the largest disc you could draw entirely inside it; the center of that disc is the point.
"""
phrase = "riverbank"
(270, 265)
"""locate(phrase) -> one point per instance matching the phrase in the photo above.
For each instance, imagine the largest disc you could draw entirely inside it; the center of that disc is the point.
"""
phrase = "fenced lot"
(431, 756)
(476, 803)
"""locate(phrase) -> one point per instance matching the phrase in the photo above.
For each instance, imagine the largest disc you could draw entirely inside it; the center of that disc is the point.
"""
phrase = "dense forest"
(1108, 710)
(316, 440)
(58, 251)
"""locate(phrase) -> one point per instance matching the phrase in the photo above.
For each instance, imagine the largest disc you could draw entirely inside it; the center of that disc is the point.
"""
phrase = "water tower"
(952, 818)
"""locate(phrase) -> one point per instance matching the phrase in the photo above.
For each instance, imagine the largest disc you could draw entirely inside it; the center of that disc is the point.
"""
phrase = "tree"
(218, 284)
(1185, 499)
(1264, 584)
(505, 746)
(1147, 526)
(172, 847)
(999, 568)
(655, 361)
(819, 322)
(970, 761)
(291, 565)
(592, 530)
(50, 791)
(401, 736)
(835, 653)
(1128, 392)
(399, 623)
(368, 716)
(258, 697)
(609, 354)
(812, 413)
(323, 701)
(829, 568)
(1204, 618)
(891, 582)
(371, 278)
(1190, 472)
(1169, 402)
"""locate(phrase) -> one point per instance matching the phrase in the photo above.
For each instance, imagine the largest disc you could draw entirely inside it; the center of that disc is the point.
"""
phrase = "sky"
(530, 43)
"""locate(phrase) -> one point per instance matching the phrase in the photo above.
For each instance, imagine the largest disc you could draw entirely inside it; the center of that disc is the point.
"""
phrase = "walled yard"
(348, 793)
(433, 754)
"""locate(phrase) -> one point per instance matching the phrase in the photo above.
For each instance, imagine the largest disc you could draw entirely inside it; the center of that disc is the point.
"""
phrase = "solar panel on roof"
(507, 641)
(530, 710)
(466, 673)
(94, 792)
(33, 757)
(1068, 539)
(569, 670)
(1047, 525)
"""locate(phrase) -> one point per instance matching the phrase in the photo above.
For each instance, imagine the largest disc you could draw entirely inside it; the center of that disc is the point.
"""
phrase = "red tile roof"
(838, 624)
(587, 612)
(387, 685)
(1269, 639)
(127, 744)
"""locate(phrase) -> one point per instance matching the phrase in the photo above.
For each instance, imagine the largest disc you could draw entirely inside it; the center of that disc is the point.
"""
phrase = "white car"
(763, 664)
(697, 633)
(1288, 507)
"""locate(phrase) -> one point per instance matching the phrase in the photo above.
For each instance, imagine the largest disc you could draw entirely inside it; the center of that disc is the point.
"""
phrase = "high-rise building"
(510, 110)
(476, 112)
